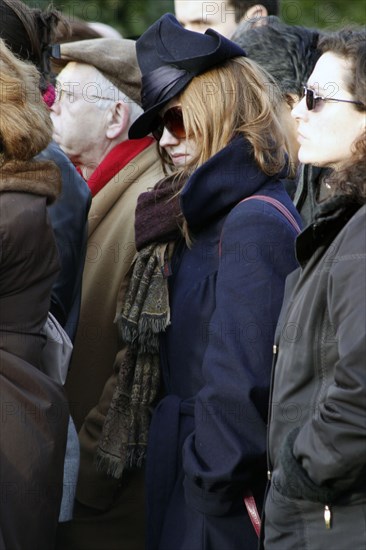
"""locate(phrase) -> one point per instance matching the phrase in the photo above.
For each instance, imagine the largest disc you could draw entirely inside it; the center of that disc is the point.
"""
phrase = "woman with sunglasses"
(216, 299)
(317, 430)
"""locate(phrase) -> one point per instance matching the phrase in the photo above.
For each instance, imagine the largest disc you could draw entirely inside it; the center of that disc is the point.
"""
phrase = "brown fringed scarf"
(144, 314)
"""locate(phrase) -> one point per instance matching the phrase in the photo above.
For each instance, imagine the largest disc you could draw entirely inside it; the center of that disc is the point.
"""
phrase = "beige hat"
(114, 58)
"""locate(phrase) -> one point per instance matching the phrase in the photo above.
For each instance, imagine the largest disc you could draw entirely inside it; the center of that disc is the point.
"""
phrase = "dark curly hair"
(350, 43)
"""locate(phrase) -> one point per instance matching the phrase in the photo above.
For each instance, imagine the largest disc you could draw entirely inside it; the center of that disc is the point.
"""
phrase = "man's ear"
(254, 15)
(118, 120)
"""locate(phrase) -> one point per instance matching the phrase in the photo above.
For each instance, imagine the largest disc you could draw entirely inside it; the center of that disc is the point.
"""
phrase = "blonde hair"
(235, 98)
(25, 124)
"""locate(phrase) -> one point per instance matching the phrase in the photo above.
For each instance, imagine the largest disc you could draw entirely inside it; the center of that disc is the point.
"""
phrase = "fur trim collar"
(31, 176)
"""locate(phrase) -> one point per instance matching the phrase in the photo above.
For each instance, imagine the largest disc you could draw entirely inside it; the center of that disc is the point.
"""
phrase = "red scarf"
(117, 159)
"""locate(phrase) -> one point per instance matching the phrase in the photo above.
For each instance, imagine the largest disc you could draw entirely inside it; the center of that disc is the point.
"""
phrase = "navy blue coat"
(208, 434)
(69, 219)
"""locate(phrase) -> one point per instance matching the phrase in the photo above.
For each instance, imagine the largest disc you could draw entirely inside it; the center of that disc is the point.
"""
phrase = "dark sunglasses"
(311, 99)
(172, 120)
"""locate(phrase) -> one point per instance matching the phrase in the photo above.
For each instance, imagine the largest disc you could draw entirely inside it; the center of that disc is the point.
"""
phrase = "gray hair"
(103, 89)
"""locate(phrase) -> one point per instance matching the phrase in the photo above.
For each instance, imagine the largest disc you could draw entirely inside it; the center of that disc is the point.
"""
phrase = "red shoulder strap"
(280, 207)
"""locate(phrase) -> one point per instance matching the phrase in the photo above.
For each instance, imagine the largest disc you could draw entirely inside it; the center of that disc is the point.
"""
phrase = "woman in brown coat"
(33, 414)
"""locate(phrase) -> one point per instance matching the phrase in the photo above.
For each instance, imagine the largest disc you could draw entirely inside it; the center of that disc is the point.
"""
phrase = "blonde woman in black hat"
(214, 301)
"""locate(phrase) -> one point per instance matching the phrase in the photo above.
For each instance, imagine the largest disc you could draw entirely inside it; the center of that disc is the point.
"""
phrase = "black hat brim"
(170, 56)
(145, 123)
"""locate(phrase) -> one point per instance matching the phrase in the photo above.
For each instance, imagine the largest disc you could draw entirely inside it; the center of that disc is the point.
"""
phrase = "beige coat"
(90, 384)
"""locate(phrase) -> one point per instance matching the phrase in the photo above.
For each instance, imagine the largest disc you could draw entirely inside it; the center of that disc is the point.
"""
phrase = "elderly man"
(223, 17)
(98, 96)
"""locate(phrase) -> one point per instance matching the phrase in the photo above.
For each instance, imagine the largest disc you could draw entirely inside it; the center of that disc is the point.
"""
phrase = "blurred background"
(132, 17)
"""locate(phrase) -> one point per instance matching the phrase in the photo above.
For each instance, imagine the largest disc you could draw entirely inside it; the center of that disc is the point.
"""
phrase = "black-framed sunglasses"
(172, 120)
(312, 99)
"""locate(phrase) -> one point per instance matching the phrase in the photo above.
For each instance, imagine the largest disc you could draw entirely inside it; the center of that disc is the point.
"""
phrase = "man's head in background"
(98, 96)
(222, 16)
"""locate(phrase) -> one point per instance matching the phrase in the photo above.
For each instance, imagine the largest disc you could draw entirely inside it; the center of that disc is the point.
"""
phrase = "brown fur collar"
(31, 176)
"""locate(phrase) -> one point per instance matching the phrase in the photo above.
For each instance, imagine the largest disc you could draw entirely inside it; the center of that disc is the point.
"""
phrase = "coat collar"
(330, 218)
(117, 158)
(31, 176)
(146, 165)
(215, 187)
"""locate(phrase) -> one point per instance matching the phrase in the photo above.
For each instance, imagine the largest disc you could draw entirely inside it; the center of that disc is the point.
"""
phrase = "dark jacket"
(69, 218)
(208, 435)
(317, 432)
(34, 414)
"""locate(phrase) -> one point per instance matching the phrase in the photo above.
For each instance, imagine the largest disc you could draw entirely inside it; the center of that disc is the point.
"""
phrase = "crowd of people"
(182, 282)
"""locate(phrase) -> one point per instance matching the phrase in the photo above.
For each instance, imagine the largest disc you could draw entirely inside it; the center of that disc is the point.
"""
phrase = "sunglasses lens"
(309, 99)
(173, 121)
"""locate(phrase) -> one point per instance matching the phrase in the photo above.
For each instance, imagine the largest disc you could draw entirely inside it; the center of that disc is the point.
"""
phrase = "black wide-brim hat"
(170, 57)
